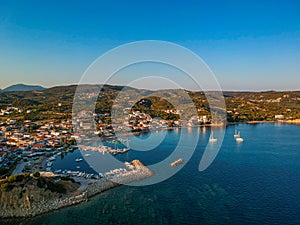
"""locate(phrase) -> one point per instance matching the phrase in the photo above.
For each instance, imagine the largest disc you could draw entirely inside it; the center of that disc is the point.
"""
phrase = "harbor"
(75, 160)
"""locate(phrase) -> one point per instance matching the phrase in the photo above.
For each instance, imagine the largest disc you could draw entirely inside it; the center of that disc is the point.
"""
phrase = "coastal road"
(19, 168)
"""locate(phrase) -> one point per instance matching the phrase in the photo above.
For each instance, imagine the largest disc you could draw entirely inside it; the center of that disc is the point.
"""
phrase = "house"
(85, 125)
(279, 117)
(38, 146)
(11, 142)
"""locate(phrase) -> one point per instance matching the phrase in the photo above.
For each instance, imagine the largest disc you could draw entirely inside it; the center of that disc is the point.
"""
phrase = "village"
(24, 146)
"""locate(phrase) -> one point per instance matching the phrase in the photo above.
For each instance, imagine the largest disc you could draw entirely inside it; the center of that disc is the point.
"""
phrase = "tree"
(36, 174)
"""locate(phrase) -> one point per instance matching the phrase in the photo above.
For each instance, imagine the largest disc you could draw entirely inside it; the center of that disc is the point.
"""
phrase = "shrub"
(41, 182)
(27, 174)
(3, 171)
(68, 179)
(6, 187)
(12, 178)
(36, 174)
(56, 187)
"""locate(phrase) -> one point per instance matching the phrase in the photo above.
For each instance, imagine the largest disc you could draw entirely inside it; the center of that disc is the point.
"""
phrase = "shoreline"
(87, 189)
(94, 187)
(137, 133)
(130, 134)
(250, 122)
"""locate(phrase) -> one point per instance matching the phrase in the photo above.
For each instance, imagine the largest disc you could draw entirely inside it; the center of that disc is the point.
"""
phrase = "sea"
(253, 182)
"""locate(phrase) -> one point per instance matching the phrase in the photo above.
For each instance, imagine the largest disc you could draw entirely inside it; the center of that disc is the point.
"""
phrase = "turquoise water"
(254, 182)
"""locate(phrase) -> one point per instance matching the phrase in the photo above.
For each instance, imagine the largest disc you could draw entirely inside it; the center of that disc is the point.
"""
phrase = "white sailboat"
(212, 139)
(238, 137)
(236, 134)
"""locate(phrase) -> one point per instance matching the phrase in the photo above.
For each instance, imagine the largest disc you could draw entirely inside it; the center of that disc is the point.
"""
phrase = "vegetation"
(7, 171)
(55, 104)
(50, 185)
(13, 180)
(36, 174)
(61, 187)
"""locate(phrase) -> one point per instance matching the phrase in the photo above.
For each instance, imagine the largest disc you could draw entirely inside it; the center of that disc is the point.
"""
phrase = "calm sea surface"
(254, 182)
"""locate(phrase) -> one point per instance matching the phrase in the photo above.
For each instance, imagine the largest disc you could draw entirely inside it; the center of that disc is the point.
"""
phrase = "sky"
(249, 45)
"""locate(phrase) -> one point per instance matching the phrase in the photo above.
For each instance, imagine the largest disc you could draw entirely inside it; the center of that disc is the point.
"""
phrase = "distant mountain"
(23, 87)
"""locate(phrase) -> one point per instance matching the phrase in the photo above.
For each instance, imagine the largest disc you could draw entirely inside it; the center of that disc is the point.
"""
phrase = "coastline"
(87, 189)
(130, 134)
(296, 121)
(250, 122)
(94, 187)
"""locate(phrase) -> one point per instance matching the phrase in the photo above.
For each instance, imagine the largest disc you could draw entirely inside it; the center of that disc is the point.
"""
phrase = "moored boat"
(239, 139)
(212, 139)
(236, 134)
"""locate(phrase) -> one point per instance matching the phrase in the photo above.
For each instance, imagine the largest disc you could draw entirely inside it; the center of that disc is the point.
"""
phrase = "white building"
(279, 117)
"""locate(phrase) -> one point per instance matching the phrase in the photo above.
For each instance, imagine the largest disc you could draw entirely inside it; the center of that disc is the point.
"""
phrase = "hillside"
(57, 102)
(23, 195)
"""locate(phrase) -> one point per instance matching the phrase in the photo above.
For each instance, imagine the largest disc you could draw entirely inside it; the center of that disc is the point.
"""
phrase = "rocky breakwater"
(137, 173)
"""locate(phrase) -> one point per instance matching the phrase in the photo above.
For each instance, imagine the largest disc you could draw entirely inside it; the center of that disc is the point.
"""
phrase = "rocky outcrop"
(29, 198)
(32, 197)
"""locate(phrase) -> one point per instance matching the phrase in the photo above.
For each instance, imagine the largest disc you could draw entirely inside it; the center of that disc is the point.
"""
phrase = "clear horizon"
(250, 46)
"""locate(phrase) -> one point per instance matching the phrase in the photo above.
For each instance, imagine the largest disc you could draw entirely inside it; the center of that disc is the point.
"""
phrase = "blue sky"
(250, 45)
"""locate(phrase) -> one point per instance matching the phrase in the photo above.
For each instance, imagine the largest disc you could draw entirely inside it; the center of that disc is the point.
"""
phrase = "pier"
(103, 149)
